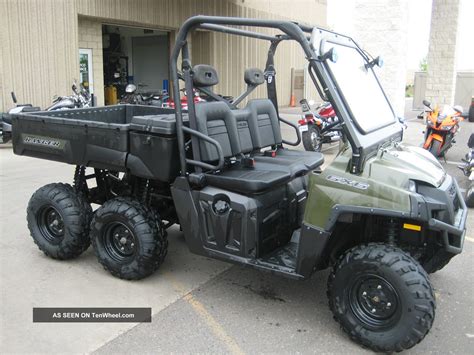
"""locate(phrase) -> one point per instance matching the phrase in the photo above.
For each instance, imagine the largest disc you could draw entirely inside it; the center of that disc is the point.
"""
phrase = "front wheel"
(381, 297)
(470, 196)
(312, 139)
(435, 148)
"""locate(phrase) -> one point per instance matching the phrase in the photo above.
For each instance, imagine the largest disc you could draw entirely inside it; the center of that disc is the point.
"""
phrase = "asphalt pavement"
(199, 305)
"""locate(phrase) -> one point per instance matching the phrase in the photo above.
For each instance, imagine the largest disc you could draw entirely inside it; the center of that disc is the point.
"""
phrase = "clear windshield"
(360, 89)
(446, 111)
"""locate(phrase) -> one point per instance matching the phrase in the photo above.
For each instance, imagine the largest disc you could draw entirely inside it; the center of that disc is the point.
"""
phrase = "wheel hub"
(374, 301)
(119, 241)
(315, 138)
(51, 224)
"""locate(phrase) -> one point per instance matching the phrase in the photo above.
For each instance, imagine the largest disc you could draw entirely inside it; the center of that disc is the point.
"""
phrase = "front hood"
(401, 162)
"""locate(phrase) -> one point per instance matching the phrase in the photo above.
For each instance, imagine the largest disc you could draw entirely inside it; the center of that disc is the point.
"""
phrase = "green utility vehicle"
(382, 215)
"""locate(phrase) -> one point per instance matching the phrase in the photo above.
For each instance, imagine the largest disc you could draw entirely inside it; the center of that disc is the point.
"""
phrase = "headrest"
(204, 75)
(254, 76)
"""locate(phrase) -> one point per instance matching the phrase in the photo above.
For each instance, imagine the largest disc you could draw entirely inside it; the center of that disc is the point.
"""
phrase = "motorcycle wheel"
(470, 196)
(435, 148)
(312, 139)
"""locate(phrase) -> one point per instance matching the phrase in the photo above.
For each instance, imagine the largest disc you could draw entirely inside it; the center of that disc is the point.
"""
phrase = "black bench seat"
(242, 134)
(247, 180)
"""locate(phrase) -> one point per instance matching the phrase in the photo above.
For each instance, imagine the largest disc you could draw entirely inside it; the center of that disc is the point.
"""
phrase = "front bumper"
(446, 213)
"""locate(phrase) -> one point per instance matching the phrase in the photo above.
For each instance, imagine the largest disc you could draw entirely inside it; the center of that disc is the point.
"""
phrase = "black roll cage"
(290, 31)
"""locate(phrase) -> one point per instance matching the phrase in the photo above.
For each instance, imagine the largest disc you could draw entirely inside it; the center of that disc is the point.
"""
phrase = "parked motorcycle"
(133, 96)
(441, 128)
(6, 123)
(79, 99)
(468, 170)
(319, 126)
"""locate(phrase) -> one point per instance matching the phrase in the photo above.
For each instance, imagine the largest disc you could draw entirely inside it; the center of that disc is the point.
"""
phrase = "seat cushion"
(295, 168)
(311, 159)
(295, 160)
(247, 180)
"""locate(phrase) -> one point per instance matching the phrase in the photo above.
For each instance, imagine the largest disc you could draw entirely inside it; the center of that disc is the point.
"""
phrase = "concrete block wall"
(380, 28)
(90, 37)
(441, 78)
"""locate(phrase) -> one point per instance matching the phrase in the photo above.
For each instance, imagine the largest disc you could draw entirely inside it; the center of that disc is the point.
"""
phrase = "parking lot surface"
(199, 305)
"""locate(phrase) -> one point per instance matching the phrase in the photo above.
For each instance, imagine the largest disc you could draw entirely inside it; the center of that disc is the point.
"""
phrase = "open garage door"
(134, 56)
(150, 66)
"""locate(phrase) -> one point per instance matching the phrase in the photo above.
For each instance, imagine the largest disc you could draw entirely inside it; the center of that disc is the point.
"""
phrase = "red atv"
(184, 101)
(319, 126)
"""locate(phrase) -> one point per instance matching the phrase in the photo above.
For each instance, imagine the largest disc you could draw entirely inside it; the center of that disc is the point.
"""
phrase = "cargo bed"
(135, 138)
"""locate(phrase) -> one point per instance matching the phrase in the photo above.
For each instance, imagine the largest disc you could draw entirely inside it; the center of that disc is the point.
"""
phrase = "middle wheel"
(128, 239)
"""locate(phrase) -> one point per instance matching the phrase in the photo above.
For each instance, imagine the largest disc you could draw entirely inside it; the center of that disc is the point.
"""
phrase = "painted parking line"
(331, 146)
(453, 162)
(469, 239)
(214, 325)
(210, 321)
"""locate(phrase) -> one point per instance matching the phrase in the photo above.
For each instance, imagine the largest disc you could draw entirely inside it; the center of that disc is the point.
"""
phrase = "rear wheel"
(381, 297)
(435, 147)
(470, 196)
(312, 139)
(128, 239)
(58, 220)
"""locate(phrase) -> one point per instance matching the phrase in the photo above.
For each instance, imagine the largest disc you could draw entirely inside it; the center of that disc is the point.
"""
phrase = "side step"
(284, 258)
(282, 261)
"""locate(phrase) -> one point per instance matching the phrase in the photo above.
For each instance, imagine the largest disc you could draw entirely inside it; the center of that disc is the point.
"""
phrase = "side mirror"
(331, 55)
(458, 109)
(375, 62)
(304, 105)
(402, 122)
(427, 103)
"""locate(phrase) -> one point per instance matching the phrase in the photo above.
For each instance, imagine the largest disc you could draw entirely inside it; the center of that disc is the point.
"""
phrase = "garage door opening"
(134, 56)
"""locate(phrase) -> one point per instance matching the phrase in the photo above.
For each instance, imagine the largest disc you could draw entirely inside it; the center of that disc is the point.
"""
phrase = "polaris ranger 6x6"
(382, 215)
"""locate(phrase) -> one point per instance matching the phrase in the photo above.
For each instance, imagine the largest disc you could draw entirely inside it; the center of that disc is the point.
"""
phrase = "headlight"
(411, 186)
(130, 88)
(446, 128)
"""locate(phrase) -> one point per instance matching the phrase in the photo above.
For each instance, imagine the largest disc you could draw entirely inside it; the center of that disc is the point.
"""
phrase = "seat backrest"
(264, 123)
(216, 120)
(247, 136)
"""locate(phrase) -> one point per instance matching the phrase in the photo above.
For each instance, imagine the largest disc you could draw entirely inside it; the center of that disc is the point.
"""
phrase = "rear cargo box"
(153, 147)
(106, 137)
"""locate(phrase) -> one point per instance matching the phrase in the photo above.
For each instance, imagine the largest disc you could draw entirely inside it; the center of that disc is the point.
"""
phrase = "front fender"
(430, 138)
(335, 187)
